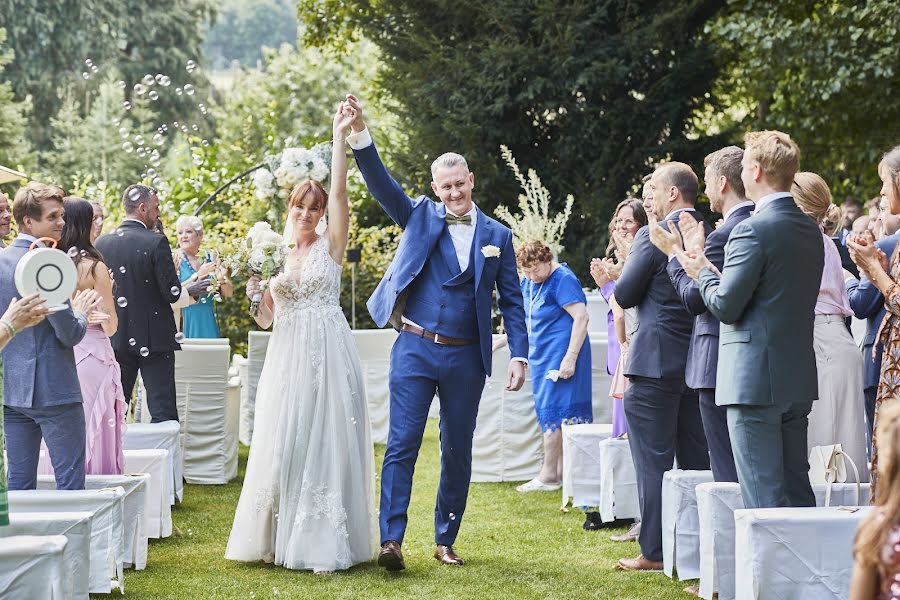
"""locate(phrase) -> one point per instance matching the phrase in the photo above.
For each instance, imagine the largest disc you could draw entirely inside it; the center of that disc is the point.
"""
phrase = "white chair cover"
(107, 527)
(206, 342)
(35, 567)
(75, 526)
(374, 347)
(208, 411)
(795, 553)
(135, 507)
(618, 481)
(158, 510)
(601, 403)
(166, 435)
(597, 309)
(581, 463)
(257, 344)
(716, 503)
(507, 444)
(680, 523)
(245, 427)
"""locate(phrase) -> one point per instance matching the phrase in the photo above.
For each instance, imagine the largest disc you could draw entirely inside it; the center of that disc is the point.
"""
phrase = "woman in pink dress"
(98, 372)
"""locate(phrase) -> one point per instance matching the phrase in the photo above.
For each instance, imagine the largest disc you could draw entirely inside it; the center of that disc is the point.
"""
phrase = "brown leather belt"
(436, 338)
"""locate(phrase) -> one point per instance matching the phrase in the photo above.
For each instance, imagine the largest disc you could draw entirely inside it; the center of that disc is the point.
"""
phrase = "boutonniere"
(490, 251)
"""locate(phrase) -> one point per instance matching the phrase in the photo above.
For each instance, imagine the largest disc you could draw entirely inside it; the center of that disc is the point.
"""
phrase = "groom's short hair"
(448, 160)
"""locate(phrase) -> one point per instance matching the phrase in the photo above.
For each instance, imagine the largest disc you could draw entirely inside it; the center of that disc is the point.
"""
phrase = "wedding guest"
(726, 194)
(21, 314)
(851, 209)
(886, 224)
(99, 217)
(647, 196)
(876, 550)
(765, 298)
(861, 225)
(830, 223)
(874, 263)
(662, 412)
(559, 353)
(198, 320)
(105, 409)
(5, 219)
(41, 394)
(836, 417)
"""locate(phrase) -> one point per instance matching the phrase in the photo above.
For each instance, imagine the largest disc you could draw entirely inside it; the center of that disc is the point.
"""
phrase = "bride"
(309, 493)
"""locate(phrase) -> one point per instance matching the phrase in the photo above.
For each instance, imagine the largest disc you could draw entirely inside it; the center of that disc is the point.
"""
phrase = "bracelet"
(9, 328)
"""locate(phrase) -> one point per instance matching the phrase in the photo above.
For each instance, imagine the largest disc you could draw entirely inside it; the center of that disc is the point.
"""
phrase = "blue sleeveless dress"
(199, 319)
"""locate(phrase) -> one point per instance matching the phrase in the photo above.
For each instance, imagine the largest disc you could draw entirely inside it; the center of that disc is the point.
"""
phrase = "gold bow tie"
(452, 219)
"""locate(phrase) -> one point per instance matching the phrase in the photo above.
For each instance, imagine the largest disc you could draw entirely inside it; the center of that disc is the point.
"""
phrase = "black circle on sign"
(55, 271)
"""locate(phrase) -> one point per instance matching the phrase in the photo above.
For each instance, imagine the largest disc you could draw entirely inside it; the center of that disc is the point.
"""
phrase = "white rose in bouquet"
(262, 253)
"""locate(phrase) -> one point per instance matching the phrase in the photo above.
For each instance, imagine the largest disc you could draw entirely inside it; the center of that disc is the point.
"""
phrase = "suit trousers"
(664, 423)
(769, 444)
(62, 428)
(420, 367)
(158, 372)
(715, 426)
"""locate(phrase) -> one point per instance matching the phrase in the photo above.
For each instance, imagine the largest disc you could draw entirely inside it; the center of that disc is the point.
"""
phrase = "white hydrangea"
(264, 182)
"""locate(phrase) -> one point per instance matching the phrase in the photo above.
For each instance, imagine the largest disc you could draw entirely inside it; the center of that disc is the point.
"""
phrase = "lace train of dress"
(308, 497)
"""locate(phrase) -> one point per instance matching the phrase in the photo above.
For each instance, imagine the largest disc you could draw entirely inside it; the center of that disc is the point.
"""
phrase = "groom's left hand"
(515, 376)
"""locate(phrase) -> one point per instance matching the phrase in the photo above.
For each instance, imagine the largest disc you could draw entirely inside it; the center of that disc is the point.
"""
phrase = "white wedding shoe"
(536, 485)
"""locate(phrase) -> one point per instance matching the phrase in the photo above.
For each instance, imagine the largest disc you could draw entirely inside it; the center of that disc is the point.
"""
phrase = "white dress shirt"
(731, 210)
(768, 198)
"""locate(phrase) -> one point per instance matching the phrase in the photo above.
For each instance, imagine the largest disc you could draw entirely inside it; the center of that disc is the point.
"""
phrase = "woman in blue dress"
(559, 353)
(199, 319)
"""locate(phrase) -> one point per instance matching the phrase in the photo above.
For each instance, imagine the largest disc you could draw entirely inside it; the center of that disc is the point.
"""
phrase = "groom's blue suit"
(425, 285)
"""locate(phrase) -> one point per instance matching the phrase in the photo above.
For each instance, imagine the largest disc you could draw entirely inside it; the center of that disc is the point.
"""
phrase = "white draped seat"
(374, 347)
(75, 526)
(601, 403)
(165, 435)
(107, 554)
(245, 425)
(35, 567)
(618, 481)
(257, 344)
(680, 522)
(205, 342)
(581, 463)
(507, 444)
(795, 553)
(158, 509)
(716, 505)
(134, 506)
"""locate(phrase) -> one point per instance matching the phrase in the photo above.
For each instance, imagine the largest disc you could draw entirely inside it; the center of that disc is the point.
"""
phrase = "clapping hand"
(667, 241)
(694, 262)
(867, 256)
(692, 232)
(623, 243)
(206, 269)
(85, 301)
(26, 312)
(599, 272)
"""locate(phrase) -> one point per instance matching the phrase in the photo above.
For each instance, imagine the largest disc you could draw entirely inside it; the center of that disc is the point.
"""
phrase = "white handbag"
(828, 465)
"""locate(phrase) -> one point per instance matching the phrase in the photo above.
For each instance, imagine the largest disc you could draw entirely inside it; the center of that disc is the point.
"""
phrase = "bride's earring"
(321, 226)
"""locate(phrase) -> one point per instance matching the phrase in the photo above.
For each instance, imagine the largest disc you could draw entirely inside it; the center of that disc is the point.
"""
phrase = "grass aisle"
(516, 546)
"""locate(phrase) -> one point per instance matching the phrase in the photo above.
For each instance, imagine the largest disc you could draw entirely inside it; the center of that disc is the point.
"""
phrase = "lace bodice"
(316, 284)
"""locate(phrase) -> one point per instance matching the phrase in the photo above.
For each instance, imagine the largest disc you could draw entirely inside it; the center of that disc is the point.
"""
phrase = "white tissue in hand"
(553, 375)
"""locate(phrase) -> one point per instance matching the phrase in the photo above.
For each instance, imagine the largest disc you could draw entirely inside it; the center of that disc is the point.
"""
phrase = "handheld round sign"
(48, 272)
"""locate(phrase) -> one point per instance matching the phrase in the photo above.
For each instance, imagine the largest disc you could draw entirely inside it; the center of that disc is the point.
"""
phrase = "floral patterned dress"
(889, 337)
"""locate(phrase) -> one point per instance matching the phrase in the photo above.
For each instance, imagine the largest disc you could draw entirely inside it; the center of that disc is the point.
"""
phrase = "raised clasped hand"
(343, 117)
(666, 241)
(353, 103)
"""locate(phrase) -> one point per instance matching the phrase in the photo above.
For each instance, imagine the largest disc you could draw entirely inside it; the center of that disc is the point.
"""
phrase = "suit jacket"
(659, 346)
(766, 300)
(38, 363)
(703, 354)
(150, 285)
(846, 261)
(423, 222)
(868, 303)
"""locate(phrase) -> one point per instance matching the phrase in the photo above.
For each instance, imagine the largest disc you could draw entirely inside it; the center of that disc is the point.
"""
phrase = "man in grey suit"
(765, 298)
(41, 393)
(661, 410)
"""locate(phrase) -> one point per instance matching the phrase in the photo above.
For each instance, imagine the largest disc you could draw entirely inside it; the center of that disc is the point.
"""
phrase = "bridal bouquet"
(262, 253)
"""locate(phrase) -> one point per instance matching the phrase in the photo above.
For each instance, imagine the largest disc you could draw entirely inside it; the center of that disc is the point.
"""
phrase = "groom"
(437, 293)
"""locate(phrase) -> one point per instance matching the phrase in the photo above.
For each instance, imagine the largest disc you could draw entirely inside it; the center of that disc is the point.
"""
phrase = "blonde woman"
(199, 319)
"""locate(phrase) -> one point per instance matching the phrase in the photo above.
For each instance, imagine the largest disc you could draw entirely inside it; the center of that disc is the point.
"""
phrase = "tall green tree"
(589, 93)
(244, 27)
(825, 71)
(14, 147)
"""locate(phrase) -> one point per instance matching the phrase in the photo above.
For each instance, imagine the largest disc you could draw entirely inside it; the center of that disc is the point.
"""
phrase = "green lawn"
(516, 546)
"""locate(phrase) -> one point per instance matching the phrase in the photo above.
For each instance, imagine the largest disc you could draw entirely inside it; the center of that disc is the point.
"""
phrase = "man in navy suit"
(725, 191)
(437, 293)
(661, 410)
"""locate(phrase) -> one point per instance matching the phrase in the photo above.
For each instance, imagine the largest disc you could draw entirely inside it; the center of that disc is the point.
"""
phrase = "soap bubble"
(191, 66)
(122, 269)
(178, 91)
(111, 422)
(144, 351)
(165, 81)
(119, 232)
(141, 152)
(148, 79)
(123, 131)
(126, 105)
(83, 253)
(122, 301)
(214, 176)
(88, 62)
(73, 252)
(157, 182)
(158, 139)
(179, 337)
(85, 75)
(94, 68)
(153, 95)
(134, 195)
(131, 342)
(452, 517)
(203, 300)
(175, 290)
(127, 146)
(139, 89)
(189, 90)
(121, 83)
(204, 143)
(194, 127)
(159, 77)
(139, 140)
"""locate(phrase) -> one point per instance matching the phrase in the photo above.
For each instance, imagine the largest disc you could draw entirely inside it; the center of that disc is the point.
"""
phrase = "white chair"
(158, 509)
(166, 435)
(35, 567)
(601, 403)
(206, 342)
(257, 344)
(134, 506)
(581, 463)
(374, 347)
(618, 481)
(245, 426)
(795, 553)
(75, 526)
(208, 408)
(716, 504)
(680, 522)
(507, 444)
(107, 527)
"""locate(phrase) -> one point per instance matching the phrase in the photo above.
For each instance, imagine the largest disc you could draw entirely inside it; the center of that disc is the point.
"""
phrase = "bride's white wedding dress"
(308, 500)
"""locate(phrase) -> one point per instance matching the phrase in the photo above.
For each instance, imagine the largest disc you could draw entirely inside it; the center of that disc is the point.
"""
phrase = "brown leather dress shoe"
(446, 556)
(639, 564)
(391, 556)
